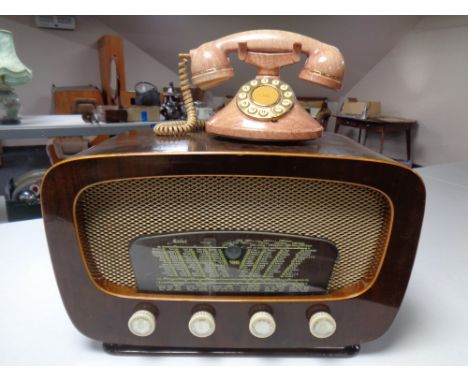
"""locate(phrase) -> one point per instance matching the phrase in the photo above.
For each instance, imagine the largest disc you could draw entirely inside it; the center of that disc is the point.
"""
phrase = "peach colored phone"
(266, 108)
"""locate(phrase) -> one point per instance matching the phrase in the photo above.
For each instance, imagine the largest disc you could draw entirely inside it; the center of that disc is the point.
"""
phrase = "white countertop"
(430, 329)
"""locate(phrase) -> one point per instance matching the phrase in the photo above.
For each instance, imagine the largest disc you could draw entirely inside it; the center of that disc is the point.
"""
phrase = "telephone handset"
(264, 108)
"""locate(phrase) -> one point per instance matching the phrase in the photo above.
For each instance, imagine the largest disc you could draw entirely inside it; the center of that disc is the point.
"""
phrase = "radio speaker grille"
(109, 215)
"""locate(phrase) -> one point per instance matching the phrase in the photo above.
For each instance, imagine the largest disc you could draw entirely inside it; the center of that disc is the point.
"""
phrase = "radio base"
(347, 351)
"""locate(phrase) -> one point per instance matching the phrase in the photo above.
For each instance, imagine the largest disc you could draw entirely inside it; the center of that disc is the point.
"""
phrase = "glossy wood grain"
(104, 316)
(111, 49)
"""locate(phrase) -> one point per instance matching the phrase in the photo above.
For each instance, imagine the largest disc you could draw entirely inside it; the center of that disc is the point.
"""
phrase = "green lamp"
(12, 73)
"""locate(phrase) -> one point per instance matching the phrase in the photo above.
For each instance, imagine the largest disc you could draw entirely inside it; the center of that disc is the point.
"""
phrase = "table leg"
(382, 137)
(359, 136)
(408, 143)
(337, 127)
(365, 136)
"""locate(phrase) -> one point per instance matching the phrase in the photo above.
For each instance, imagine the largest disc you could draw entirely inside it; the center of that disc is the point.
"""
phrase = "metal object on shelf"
(26, 187)
(147, 94)
(173, 106)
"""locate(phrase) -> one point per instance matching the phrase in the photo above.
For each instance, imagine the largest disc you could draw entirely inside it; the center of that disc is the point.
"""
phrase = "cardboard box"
(354, 108)
(143, 113)
(362, 109)
(374, 108)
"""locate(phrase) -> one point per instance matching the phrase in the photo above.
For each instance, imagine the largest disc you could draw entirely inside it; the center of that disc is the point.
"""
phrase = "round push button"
(202, 324)
(278, 109)
(262, 324)
(142, 323)
(322, 325)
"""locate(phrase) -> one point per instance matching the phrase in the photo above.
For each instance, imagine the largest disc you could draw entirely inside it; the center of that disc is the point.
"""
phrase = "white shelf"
(48, 126)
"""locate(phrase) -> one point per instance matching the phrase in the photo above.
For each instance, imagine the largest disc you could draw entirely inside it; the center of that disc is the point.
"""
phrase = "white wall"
(425, 77)
(70, 58)
(363, 40)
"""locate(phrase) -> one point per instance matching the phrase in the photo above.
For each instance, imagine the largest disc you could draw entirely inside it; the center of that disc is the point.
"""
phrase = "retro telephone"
(265, 108)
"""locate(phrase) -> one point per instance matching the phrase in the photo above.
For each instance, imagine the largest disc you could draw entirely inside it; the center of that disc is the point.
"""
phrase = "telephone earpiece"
(211, 65)
(264, 108)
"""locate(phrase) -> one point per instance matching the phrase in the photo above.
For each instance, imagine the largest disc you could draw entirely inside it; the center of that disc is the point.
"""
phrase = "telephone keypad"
(265, 98)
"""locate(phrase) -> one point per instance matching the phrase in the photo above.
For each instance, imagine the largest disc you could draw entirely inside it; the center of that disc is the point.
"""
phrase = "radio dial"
(262, 324)
(322, 325)
(202, 324)
(142, 323)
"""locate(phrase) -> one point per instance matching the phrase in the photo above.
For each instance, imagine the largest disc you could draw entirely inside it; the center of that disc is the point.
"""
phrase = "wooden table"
(381, 124)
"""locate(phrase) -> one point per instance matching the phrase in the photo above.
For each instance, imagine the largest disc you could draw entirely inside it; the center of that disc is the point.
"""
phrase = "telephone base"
(296, 125)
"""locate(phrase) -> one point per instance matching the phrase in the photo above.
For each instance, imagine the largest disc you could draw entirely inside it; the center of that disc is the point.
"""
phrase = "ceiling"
(363, 40)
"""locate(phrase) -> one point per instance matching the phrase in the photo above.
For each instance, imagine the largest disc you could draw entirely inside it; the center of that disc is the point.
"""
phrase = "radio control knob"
(202, 324)
(322, 325)
(142, 323)
(262, 324)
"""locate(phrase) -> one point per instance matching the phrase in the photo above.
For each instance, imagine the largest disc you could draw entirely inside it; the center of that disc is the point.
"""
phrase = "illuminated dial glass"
(230, 262)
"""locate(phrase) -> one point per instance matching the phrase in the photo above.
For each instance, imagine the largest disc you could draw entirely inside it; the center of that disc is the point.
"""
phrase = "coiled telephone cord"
(192, 123)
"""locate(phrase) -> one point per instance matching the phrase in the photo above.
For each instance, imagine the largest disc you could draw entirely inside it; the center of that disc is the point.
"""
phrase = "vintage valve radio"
(203, 244)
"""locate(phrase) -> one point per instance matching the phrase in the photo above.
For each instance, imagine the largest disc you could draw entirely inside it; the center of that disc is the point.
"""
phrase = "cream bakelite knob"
(142, 323)
(322, 325)
(202, 324)
(262, 324)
